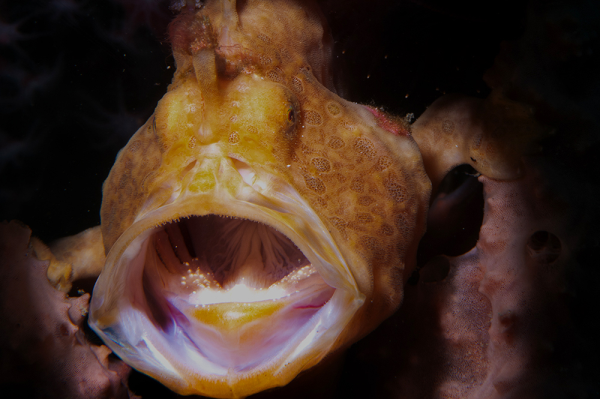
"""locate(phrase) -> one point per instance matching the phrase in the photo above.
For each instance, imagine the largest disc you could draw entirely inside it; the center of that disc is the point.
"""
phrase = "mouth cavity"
(238, 289)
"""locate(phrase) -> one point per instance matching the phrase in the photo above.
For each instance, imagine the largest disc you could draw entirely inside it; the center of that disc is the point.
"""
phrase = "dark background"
(77, 78)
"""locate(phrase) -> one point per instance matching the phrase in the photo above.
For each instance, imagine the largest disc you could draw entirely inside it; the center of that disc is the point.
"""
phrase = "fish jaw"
(181, 353)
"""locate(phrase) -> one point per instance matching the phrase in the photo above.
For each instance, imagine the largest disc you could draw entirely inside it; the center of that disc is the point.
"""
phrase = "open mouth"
(241, 294)
(222, 280)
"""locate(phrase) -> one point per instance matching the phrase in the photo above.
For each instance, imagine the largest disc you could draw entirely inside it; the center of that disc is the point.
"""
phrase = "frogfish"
(257, 222)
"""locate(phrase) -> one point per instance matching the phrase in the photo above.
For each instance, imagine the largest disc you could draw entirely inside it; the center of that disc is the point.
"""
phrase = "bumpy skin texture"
(43, 347)
(253, 84)
(491, 135)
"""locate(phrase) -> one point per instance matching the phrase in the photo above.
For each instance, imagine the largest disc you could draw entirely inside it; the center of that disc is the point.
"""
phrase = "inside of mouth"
(239, 290)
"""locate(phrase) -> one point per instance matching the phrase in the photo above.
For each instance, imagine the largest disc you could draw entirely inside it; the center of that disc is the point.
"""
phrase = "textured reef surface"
(496, 108)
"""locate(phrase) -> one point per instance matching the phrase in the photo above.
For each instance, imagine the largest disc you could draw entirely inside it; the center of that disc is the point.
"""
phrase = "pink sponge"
(42, 343)
(489, 323)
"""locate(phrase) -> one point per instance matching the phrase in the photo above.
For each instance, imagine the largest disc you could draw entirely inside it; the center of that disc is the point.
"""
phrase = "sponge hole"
(455, 216)
(435, 270)
(544, 247)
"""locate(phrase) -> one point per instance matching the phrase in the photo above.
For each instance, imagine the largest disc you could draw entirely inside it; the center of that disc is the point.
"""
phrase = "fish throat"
(239, 289)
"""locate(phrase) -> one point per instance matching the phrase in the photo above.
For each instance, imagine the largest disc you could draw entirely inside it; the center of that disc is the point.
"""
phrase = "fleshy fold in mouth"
(239, 289)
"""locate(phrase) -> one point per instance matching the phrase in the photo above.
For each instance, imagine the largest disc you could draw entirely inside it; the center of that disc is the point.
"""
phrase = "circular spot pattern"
(395, 189)
(314, 184)
(333, 108)
(336, 143)
(448, 126)
(383, 163)
(312, 117)
(386, 230)
(357, 185)
(365, 200)
(296, 85)
(364, 147)
(234, 138)
(274, 76)
(321, 164)
(264, 59)
(364, 218)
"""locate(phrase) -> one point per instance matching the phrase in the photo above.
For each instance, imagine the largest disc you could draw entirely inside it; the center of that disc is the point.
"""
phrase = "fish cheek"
(125, 190)
(371, 189)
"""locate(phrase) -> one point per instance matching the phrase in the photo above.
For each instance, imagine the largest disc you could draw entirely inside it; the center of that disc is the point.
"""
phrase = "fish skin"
(253, 85)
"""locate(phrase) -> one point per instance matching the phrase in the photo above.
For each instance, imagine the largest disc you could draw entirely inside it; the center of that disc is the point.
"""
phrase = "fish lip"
(304, 353)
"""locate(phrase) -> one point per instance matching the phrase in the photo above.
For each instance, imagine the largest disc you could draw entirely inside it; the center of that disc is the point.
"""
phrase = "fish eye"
(290, 131)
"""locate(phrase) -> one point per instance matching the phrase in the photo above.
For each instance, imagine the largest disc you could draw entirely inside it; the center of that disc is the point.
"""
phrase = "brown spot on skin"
(234, 138)
(357, 185)
(364, 147)
(448, 126)
(364, 218)
(321, 164)
(315, 184)
(336, 143)
(387, 230)
(395, 189)
(296, 85)
(312, 118)
(365, 200)
(333, 109)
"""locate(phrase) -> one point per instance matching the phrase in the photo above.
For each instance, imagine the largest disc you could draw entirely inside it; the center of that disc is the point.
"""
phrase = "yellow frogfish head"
(257, 222)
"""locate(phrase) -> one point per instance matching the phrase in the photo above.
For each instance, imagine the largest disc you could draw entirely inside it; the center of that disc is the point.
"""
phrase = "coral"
(44, 349)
